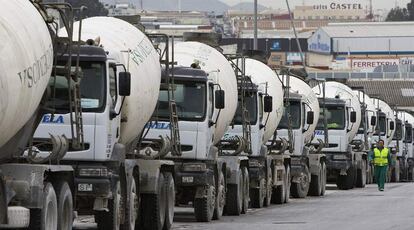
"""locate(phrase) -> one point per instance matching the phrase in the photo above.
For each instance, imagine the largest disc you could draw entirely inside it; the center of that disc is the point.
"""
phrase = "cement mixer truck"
(343, 116)
(296, 131)
(268, 174)
(401, 145)
(206, 97)
(35, 193)
(120, 87)
(364, 137)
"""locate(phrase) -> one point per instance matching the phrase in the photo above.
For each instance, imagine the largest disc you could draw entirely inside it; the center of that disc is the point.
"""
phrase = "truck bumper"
(194, 179)
(338, 162)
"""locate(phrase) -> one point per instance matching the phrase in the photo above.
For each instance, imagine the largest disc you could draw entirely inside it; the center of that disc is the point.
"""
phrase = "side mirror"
(373, 121)
(219, 96)
(353, 117)
(392, 125)
(310, 116)
(124, 84)
(267, 104)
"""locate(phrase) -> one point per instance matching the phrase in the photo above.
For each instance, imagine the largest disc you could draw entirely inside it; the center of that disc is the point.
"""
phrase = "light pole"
(255, 26)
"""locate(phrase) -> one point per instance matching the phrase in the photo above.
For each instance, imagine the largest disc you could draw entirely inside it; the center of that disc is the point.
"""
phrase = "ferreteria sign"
(338, 6)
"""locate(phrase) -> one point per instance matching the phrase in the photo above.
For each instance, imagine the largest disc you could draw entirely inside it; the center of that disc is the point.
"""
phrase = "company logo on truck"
(319, 132)
(142, 51)
(53, 120)
(39, 69)
(158, 125)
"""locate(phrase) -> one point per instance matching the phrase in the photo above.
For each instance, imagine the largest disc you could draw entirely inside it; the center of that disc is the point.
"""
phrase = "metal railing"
(363, 75)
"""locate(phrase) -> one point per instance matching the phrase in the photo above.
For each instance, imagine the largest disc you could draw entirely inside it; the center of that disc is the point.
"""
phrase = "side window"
(304, 113)
(261, 108)
(211, 101)
(112, 83)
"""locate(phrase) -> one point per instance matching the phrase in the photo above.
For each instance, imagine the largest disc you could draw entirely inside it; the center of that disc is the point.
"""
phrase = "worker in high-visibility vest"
(380, 157)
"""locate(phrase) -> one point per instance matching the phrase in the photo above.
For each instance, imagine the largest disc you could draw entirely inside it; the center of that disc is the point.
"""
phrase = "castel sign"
(338, 6)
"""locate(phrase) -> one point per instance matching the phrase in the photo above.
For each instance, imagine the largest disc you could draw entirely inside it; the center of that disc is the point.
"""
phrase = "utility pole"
(255, 26)
(179, 6)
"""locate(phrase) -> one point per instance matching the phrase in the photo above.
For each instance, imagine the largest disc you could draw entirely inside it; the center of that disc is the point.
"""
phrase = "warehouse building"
(365, 47)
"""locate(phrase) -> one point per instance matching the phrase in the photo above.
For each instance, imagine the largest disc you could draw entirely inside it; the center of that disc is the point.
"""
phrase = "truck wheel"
(315, 188)
(111, 220)
(246, 188)
(153, 207)
(3, 200)
(65, 206)
(268, 189)
(257, 195)
(170, 200)
(288, 184)
(234, 198)
(220, 198)
(279, 192)
(132, 207)
(410, 174)
(204, 207)
(47, 217)
(345, 182)
(300, 190)
(323, 189)
(362, 175)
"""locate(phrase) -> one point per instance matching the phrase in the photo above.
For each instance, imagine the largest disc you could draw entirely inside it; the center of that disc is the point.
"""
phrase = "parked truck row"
(98, 118)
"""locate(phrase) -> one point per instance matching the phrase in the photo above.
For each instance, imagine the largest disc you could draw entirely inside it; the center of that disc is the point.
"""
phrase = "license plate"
(85, 187)
(188, 179)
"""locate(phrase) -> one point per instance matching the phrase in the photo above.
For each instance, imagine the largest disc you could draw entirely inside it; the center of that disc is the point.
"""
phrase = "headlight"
(93, 172)
(194, 167)
(340, 157)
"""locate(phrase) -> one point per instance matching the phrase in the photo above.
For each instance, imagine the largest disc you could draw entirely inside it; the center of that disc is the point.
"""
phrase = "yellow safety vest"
(381, 157)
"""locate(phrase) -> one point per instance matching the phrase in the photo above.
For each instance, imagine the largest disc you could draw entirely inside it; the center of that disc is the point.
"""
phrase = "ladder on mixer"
(238, 62)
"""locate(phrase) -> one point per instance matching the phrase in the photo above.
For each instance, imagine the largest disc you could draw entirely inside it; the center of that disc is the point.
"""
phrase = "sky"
(281, 4)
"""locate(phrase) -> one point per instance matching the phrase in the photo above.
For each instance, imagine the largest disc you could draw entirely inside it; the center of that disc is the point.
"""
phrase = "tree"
(398, 14)
(95, 7)
(402, 14)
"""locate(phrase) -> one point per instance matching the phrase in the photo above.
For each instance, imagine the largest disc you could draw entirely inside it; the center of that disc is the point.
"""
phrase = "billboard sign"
(369, 65)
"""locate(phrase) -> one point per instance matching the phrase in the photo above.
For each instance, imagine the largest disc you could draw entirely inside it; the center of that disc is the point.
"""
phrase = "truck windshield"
(92, 87)
(335, 117)
(190, 98)
(251, 105)
(295, 116)
(408, 134)
(398, 131)
(382, 122)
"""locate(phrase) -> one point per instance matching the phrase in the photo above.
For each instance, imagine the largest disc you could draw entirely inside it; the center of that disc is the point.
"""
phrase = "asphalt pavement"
(365, 209)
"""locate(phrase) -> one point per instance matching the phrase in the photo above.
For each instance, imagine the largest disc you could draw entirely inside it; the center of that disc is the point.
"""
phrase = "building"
(331, 11)
(365, 47)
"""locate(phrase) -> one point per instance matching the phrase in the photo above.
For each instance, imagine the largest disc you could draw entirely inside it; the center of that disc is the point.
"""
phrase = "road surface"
(367, 209)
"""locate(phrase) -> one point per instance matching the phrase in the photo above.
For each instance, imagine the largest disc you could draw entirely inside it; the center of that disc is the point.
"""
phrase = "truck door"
(115, 105)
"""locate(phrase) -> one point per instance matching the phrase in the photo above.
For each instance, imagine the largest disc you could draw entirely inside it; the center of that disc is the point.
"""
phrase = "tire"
(111, 220)
(47, 217)
(234, 196)
(345, 182)
(220, 197)
(153, 207)
(257, 195)
(204, 207)
(300, 190)
(315, 187)
(65, 206)
(410, 174)
(279, 192)
(362, 175)
(132, 207)
(3, 200)
(288, 184)
(268, 188)
(170, 200)
(323, 189)
(246, 188)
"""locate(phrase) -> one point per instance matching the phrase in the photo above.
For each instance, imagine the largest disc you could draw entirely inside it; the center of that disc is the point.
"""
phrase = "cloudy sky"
(276, 4)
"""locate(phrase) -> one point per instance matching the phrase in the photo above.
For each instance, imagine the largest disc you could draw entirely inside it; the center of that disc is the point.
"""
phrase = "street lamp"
(255, 26)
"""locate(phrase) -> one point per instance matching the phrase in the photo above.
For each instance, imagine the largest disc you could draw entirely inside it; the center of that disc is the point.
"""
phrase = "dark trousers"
(380, 175)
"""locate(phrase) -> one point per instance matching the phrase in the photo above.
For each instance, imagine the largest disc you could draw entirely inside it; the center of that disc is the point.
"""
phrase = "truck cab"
(101, 101)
